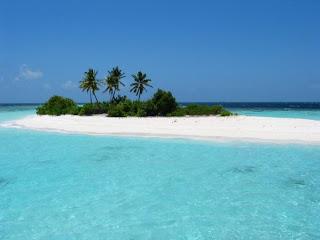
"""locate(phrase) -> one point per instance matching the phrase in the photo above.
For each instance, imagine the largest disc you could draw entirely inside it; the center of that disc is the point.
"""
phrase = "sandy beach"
(206, 128)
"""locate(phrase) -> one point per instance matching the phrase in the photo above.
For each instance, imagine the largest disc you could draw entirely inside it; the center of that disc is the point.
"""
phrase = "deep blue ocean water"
(64, 187)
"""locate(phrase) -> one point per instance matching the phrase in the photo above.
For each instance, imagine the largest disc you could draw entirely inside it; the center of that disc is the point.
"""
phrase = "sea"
(56, 186)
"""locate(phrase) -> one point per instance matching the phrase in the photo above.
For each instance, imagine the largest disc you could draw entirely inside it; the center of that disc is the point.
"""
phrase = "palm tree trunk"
(114, 92)
(90, 97)
(95, 97)
(139, 97)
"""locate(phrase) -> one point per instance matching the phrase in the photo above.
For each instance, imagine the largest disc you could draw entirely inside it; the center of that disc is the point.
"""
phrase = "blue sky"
(200, 50)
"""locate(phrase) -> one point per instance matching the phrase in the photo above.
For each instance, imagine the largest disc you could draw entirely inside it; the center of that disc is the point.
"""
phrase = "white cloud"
(69, 85)
(26, 72)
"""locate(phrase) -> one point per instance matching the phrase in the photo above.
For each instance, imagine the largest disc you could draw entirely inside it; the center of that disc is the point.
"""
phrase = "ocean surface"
(274, 109)
(77, 187)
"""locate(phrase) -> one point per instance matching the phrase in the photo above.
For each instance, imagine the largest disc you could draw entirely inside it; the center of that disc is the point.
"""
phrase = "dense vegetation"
(57, 105)
(162, 103)
(201, 110)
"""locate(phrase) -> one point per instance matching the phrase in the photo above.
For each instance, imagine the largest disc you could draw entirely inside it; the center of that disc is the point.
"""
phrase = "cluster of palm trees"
(112, 83)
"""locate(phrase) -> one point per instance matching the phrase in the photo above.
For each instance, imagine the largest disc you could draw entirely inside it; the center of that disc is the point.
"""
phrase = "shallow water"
(59, 186)
(313, 114)
(11, 112)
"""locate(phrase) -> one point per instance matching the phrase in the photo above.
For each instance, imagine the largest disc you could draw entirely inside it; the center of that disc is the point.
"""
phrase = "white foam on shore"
(279, 130)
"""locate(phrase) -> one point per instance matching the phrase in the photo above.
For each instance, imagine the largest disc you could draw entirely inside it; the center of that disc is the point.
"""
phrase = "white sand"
(209, 128)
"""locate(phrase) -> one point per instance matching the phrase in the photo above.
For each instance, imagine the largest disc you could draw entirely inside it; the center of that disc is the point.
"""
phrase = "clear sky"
(200, 50)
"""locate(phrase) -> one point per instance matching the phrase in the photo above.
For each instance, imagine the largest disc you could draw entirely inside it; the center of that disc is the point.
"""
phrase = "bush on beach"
(201, 110)
(164, 102)
(58, 105)
(128, 108)
(93, 108)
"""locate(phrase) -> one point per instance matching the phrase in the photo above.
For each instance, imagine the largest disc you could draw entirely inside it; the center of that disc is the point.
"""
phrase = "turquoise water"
(59, 186)
(313, 114)
(12, 112)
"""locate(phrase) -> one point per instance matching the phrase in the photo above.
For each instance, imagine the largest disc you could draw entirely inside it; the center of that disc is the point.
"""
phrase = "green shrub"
(138, 109)
(115, 110)
(104, 107)
(141, 113)
(203, 110)
(132, 108)
(58, 105)
(200, 110)
(195, 110)
(136, 106)
(126, 107)
(149, 108)
(164, 103)
(226, 113)
(75, 110)
(180, 112)
(217, 109)
(93, 108)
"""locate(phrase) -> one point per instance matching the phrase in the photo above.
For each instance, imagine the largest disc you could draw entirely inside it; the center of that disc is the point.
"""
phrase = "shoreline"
(208, 128)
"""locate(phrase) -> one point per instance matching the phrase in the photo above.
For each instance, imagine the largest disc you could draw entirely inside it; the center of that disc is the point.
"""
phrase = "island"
(160, 116)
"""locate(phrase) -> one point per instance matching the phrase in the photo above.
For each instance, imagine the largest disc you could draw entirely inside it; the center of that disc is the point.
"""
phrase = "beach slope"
(208, 128)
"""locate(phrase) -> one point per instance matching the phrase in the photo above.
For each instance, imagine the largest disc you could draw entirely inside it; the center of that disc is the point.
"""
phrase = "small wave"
(9, 125)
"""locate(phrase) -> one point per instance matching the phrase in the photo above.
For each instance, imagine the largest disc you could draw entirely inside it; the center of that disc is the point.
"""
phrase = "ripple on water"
(243, 169)
(296, 182)
(3, 182)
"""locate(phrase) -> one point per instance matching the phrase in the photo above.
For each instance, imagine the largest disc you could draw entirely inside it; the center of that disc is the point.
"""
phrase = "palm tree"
(140, 83)
(110, 86)
(90, 83)
(113, 81)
